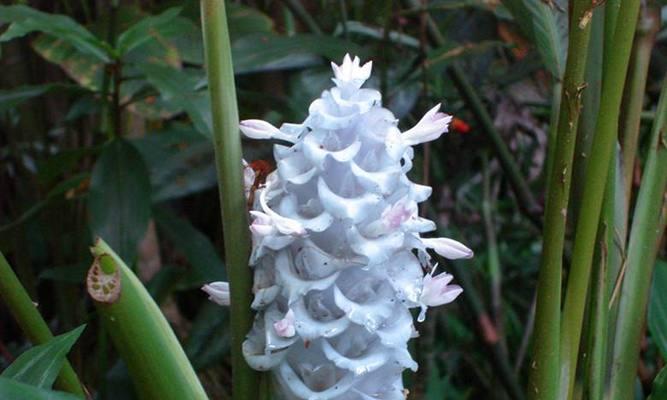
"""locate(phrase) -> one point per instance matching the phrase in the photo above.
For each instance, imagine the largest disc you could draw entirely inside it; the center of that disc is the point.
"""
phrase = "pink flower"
(285, 327)
(400, 212)
(218, 292)
(448, 248)
(430, 127)
(437, 290)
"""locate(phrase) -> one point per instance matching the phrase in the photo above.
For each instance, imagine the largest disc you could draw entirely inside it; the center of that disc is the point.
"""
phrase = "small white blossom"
(448, 248)
(259, 129)
(430, 127)
(437, 290)
(350, 72)
(248, 178)
(218, 292)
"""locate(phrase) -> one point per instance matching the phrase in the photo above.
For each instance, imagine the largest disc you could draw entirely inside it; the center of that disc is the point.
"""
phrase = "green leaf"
(657, 308)
(119, 198)
(659, 391)
(25, 20)
(10, 389)
(60, 189)
(17, 96)
(206, 346)
(83, 68)
(179, 88)
(146, 29)
(40, 365)
(197, 248)
(546, 27)
(244, 20)
(180, 161)
(267, 52)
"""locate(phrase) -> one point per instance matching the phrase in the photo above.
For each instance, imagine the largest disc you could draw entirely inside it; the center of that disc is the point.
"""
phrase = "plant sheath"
(141, 334)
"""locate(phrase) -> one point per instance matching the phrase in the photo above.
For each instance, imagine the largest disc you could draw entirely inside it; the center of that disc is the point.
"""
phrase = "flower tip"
(258, 129)
(285, 327)
(218, 292)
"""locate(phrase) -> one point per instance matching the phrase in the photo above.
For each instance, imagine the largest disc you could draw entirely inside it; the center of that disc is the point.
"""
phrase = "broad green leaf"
(15, 97)
(40, 365)
(74, 273)
(546, 27)
(267, 52)
(205, 346)
(180, 161)
(119, 198)
(14, 390)
(197, 248)
(244, 20)
(83, 68)
(25, 20)
(180, 88)
(146, 29)
(659, 391)
(657, 307)
(60, 189)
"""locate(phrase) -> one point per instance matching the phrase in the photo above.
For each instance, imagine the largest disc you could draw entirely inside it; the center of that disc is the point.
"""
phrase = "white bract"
(334, 230)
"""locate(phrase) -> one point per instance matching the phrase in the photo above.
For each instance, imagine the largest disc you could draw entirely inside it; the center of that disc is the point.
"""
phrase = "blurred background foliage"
(105, 130)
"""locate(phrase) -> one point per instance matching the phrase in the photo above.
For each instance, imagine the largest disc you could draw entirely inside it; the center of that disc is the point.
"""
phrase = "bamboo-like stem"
(544, 373)
(31, 322)
(597, 169)
(141, 334)
(647, 228)
(633, 100)
(227, 145)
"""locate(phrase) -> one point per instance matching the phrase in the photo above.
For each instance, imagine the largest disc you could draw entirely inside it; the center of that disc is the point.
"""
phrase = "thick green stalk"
(31, 322)
(597, 169)
(141, 334)
(647, 228)
(227, 144)
(544, 373)
(633, 99)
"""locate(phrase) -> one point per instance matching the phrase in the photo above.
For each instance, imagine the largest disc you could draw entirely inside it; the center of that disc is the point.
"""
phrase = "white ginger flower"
(334, 229)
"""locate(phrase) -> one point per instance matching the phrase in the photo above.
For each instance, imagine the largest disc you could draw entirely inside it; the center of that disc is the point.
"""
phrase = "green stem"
(31, 322)
(633, 101)
(157, 363)
(544, 373)
(647, 228)
(597, 170)
(227, 145)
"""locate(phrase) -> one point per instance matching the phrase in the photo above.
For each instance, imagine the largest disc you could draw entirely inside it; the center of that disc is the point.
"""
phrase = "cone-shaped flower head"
(334, 229)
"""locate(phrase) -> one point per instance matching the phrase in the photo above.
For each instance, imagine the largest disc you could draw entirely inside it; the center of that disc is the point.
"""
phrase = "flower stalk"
(227, 146)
